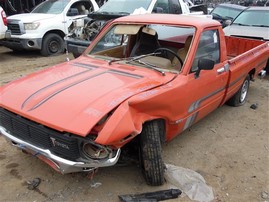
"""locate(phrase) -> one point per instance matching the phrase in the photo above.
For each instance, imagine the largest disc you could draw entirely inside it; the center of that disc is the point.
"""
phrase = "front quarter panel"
(127, 120)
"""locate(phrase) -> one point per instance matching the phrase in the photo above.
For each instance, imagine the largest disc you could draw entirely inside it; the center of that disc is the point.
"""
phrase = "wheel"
(240, 97)
(150, 152)
(164, 51)
(52, 44)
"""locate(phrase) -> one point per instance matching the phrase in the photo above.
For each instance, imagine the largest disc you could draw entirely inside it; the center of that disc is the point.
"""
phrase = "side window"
(163, 5)
(82, 7)
(208, 48)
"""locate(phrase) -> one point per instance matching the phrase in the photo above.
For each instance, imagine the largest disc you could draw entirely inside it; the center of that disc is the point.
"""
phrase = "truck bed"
(236, 46)
(245, 56)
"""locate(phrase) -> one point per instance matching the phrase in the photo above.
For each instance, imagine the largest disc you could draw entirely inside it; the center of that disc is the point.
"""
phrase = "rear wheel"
(240, 97)
(52, 44)
(150, 152)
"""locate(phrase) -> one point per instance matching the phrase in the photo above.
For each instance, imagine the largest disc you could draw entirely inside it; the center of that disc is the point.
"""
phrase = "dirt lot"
(229, 148)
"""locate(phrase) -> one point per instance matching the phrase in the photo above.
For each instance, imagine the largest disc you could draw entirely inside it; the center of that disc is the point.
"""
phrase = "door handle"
(220, 70)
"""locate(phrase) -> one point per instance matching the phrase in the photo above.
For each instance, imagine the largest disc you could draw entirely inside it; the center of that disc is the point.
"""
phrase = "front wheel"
(150, 152)
(52, 44)
(240, 97)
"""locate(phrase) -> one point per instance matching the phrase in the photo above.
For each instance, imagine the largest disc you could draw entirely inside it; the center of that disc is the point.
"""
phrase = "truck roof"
(187, 20)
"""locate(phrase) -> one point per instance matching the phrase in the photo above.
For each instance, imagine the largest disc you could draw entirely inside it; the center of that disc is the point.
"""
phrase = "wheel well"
(163, 129)
(59, 32)
(251, 74)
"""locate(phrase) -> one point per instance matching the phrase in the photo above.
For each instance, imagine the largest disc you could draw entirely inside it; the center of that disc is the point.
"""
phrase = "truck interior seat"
(182, 53)
(146, 43)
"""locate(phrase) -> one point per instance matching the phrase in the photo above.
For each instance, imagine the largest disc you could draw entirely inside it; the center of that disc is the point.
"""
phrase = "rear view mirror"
(204, 64)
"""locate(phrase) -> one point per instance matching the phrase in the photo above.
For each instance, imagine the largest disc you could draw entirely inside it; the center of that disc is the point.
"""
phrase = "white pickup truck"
(83, 31)
(45, 27)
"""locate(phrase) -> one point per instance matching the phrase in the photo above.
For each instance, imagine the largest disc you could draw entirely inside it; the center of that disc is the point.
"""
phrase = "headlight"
(31, 26)
(92, 150)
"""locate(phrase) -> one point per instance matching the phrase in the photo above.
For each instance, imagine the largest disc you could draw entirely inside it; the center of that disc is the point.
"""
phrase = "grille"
(61, 144)
(15, 28)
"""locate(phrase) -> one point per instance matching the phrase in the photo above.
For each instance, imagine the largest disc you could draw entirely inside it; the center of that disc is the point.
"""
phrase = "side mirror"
(204, 64)
(227, 22)
(72, 12)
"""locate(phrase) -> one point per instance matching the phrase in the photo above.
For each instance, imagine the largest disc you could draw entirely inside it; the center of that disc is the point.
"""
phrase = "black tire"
(52, 44)
(240, 97)
(150, 152)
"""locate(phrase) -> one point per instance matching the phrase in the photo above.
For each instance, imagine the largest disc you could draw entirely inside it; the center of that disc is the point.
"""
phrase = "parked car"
(83, 31)
(144, 79)
(251, 23)
(45, 27)
(225, 11)
(3, 23)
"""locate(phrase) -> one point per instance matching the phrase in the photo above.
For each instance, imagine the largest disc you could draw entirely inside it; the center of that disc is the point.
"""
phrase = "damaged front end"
(82, 31)
(64, 152)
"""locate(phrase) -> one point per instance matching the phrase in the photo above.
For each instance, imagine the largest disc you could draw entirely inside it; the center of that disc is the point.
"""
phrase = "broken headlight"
(92, 150)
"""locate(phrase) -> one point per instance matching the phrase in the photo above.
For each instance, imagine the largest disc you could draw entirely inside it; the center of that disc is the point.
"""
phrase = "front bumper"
(58, 163)
(22, 44)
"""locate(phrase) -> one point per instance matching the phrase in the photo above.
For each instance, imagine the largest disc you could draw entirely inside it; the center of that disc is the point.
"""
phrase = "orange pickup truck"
(144, 79)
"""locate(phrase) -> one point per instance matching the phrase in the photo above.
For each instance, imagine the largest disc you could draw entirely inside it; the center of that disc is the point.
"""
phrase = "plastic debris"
(34, 183)
(95, 184)
(190, 182)
(151, 196)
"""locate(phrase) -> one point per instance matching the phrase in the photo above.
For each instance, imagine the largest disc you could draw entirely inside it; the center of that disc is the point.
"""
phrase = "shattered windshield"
(51, 7)
(150, 45)
(124, 6)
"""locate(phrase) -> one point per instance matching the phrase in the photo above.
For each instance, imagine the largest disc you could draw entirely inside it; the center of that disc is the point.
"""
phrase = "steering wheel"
(164, 51)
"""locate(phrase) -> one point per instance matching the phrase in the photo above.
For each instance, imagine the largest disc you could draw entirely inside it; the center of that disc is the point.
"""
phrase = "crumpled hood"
(30, 17)
(248, 31)
(75, 95)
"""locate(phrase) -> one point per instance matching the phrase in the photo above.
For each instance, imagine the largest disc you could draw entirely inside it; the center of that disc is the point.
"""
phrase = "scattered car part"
(151, 196)
(34, 183)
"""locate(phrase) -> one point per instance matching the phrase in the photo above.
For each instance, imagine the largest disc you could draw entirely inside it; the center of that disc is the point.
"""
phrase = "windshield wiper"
(240, 24)
(151, 66)
(137, 58)
(260, 25)
(131, 59)
(216, 15)
(122, 13)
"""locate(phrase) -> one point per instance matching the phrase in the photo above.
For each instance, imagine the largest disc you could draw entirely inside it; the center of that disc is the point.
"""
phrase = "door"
(77, 10)
(206, 91)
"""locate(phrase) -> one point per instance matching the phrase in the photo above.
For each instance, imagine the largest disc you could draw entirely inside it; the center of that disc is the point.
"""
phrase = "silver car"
(251, 23)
